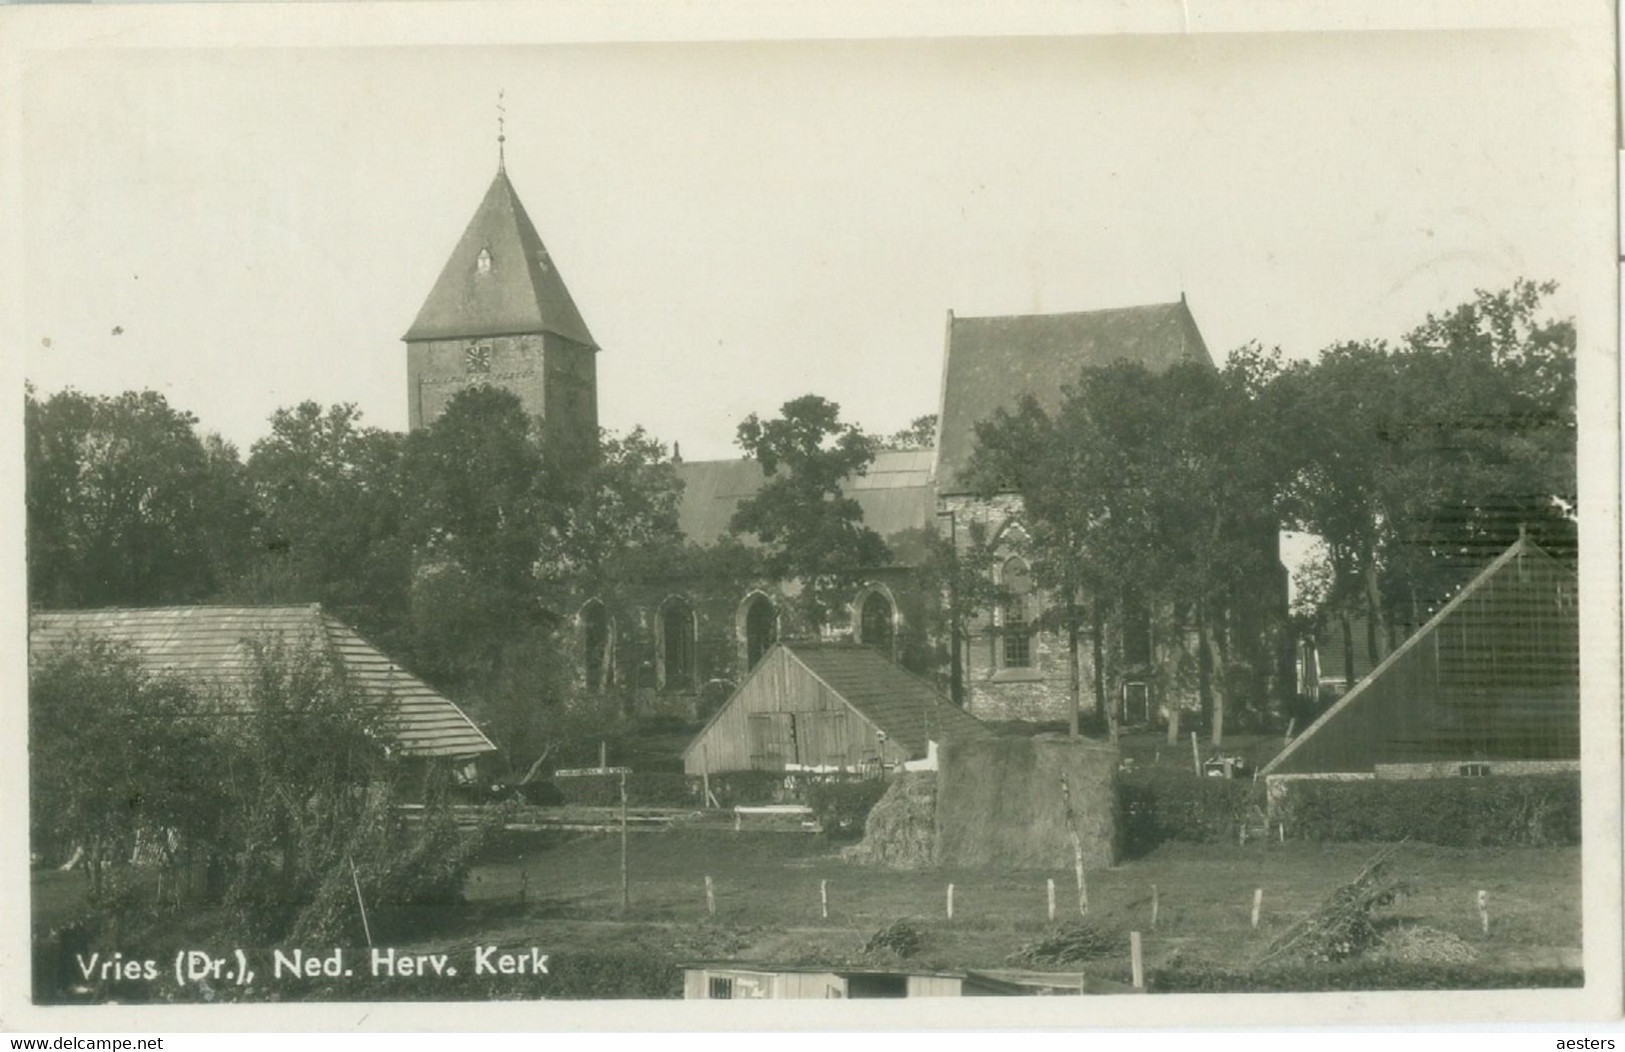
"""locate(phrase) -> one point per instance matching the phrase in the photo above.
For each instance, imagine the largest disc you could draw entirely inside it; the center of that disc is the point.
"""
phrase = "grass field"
(767, 898)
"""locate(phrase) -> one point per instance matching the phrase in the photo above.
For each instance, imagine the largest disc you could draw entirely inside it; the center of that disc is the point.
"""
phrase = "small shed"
(212, 646)
(741, 980)
(1490, 684)
(827, 707)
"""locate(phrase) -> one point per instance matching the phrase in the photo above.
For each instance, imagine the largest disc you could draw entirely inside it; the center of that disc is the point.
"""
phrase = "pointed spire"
(502, 136)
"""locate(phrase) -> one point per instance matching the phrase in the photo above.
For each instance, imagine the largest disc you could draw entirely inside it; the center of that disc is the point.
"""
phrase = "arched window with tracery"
(597, 645)
(1015, 614)
(759, 628)
(877, 622)
(676, 645)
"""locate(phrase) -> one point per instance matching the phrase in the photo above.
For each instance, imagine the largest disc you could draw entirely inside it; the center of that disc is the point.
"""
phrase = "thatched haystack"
(1000, 802)
(900, 832)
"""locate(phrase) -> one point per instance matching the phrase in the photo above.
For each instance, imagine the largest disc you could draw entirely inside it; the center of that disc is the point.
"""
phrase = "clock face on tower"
(477, 358)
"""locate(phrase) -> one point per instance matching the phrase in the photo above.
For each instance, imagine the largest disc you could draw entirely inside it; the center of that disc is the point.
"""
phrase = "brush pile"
(1419, 944)
(1343, 926)
(1079, 940)
(900, 937)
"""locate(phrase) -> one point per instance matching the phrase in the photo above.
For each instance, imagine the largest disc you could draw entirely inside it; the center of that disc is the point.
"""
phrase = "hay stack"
(999, 802)
(901, 830)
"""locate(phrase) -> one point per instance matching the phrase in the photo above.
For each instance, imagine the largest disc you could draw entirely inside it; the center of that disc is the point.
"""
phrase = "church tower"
(500, 314)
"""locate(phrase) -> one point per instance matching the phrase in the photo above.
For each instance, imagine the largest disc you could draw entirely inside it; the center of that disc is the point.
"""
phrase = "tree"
(127, 505)
(921, 433)
(330, 510)
(117, 757)
(810, 530)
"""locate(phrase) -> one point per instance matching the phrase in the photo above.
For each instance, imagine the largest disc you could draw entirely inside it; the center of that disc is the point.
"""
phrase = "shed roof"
(991, 363)
(906, 707)
(210, 644)
(1495, 671)
(895, 494)
(521, 291)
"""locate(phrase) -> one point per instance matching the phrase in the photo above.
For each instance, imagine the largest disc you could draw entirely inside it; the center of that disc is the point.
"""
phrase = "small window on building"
(1015, 615)
(1475, 770)
(482, 265)
(760, 629)
(722, 988)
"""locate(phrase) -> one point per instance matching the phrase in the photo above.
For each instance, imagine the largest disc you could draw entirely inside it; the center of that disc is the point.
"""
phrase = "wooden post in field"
(1083, 883)
(367, 928)
(705, 775)
(603, 755)
(1258, 904)
(823, 898)
(1136, 961)
(1052, 898)
(710, 896)
(950, 902)
(1280, 827)
(1196, 755)
(524, 885)
(1154, 905)
(1484, 909)
(626, 887)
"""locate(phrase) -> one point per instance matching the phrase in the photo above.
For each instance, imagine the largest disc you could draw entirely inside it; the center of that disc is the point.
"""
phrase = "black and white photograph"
(514, 509)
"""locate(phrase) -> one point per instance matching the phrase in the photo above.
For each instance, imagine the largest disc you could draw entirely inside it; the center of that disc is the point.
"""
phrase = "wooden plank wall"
(754, 731)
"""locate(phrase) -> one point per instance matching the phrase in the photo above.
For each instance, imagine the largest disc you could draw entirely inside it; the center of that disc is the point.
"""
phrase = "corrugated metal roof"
(521, 291)
(906, 707)
(895, 495)
(211, 644)
(992, 362)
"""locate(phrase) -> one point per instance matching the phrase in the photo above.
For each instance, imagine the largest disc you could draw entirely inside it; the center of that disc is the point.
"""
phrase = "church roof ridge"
(1160, 305)
(499, 280)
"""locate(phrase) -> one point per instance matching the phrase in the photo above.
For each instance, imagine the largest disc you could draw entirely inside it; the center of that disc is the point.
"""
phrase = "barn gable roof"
(991, 363)
(211, 645)
(894, 700)
(895, 494)
(519, 291)
(1496, 666)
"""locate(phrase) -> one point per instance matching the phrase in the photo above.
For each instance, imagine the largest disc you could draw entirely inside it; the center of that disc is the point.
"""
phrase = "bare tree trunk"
(1074, 687)
(1099, 653)
(1348, 650)
(1204, 666)
(1374, 634)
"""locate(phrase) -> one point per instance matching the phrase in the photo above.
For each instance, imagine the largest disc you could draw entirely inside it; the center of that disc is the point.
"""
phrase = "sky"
(742, 223)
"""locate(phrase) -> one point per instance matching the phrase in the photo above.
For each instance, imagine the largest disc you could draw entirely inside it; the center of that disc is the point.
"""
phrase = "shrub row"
(1158, 807)
(1194, 978)
(1537, 810)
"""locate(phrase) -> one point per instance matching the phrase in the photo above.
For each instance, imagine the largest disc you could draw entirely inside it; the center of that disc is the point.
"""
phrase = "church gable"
(990, 363)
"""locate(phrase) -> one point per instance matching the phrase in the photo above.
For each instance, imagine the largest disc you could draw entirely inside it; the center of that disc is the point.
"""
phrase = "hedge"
(642, 790)
(1195, 978)
(1158, 807)
(1536, 811)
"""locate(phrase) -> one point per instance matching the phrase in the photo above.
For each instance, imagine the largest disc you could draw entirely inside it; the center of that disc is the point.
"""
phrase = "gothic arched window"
(676, 645)
(1015, 615)
(876, 622)
(759, 627)
(597, 645)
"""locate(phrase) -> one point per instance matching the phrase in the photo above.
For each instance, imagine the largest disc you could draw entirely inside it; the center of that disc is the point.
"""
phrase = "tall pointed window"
(676, 645)
(482, 264)
(759, 627)
(1015, 615)
(597, 646)
(875, 622)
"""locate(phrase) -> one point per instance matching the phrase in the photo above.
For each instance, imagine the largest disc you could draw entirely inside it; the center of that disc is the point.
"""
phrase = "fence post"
(1051, 898)
(1196, 755)
(626, 886)
(1154, 905)
(823, 898)
(710, 896)
(1136, 960)
(1484, 909)
(1258, 904)
(950, 902)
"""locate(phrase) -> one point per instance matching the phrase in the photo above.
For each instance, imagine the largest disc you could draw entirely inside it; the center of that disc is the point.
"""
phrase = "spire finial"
(502, 114)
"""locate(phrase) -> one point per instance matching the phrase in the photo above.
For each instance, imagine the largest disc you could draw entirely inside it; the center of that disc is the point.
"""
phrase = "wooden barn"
(823, 707)
(212, 647)
(1489, 685)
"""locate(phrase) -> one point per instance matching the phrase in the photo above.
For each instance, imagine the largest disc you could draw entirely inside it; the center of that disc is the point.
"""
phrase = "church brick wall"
(437, 369)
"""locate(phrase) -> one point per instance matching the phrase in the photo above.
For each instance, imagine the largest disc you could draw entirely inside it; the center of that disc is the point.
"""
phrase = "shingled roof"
(210, 645)
(895, 495)
(520, 292)
(906, 707)
(990, 363)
